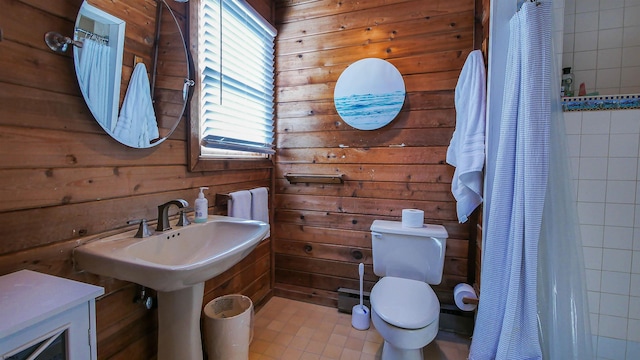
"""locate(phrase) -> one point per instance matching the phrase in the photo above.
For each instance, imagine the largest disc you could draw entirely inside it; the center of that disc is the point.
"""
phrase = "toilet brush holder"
(360, 317)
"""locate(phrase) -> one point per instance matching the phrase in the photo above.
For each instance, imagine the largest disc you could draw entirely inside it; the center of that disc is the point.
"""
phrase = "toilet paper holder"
(465, 297)
(468, 300)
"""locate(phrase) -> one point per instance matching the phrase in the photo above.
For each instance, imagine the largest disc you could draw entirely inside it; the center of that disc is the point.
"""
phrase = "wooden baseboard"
(348, 298)
(455, 320)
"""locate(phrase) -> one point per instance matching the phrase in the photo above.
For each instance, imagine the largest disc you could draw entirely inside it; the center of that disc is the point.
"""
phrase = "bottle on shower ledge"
(566, 88)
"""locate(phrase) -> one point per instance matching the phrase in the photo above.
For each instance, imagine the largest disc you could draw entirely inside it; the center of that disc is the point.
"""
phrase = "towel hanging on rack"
(260, 205)
(137, 124)
(466, 149)
(239, 204)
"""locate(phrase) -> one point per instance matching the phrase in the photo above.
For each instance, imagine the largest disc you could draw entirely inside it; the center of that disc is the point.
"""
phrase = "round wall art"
(369, 94)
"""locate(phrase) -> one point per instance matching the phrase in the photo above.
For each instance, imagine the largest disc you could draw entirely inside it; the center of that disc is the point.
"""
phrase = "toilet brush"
(361, 274)
(360, 313)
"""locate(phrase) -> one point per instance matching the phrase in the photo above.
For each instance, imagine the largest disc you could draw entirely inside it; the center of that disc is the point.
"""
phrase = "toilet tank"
(411, 253)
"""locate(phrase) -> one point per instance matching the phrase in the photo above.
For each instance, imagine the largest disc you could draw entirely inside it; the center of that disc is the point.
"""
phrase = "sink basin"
(176, 263)
(173, 259)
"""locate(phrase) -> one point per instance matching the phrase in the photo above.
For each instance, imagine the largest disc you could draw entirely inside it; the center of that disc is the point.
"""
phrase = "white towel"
(260, 205)
(137, 124)
(239, 204)
(466, 149)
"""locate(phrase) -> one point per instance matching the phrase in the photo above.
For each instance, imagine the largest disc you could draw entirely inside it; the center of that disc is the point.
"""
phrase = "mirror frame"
(170, 112)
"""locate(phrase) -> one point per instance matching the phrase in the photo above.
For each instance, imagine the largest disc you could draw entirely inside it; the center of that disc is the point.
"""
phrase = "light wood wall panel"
(64, 182)
(321, 231)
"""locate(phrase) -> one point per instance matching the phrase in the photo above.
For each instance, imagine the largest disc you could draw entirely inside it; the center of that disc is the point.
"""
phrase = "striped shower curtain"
(506, 326)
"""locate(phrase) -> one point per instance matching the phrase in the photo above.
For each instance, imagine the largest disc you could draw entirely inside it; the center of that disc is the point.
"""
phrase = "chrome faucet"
(163, 214)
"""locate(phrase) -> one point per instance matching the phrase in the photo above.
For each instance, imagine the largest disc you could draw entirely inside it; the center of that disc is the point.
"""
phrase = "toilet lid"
(417, 307)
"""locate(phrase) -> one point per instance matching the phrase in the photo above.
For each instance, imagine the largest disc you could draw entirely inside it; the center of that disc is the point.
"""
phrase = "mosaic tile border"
(602, 102)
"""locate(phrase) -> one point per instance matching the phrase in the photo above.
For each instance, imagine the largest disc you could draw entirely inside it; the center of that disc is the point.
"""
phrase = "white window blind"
(236, 60)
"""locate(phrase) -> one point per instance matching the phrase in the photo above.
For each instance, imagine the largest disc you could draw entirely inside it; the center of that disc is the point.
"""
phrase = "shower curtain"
(93, 77)
(507, 312)
(506, 325)
(562, 301)
(563, 311)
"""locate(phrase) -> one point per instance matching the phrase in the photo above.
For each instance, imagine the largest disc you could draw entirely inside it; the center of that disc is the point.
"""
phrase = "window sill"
(198, 163)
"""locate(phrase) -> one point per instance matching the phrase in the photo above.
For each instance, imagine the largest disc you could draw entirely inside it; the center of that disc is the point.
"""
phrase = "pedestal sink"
(175, 263)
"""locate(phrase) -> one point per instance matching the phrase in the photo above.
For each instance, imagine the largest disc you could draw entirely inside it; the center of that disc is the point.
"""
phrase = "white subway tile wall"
(601, 43)
(605, 156)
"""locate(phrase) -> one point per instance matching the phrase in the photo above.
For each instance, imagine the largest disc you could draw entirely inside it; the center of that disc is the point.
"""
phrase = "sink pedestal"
(179, 323)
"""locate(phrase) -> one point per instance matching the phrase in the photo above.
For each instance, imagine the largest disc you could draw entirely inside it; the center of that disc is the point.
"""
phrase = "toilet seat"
(415, 308)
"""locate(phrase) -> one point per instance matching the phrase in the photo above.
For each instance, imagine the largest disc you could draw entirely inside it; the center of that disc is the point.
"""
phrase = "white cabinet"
(45, 317)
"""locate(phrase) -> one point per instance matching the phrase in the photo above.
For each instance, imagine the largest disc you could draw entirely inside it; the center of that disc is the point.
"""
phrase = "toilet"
(404, 308)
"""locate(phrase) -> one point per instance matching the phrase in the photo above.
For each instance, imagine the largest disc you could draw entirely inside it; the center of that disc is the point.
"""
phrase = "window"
(233, 104)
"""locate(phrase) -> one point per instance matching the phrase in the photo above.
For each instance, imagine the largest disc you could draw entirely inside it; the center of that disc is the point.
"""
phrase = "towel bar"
(315, 178)
(221, 200)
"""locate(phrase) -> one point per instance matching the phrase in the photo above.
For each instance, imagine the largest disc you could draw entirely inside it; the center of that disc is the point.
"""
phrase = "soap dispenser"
(202, 207)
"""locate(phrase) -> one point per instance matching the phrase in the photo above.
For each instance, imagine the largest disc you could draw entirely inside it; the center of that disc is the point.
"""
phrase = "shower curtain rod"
(521, 2)
(89, 35)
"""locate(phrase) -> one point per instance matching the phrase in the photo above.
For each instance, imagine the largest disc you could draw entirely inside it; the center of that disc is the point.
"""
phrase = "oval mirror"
(133, 68)
(369, 94)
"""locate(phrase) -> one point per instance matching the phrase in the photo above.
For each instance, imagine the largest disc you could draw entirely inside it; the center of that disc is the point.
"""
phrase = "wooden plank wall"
(63, 181)
(322, 230)
(482, 38)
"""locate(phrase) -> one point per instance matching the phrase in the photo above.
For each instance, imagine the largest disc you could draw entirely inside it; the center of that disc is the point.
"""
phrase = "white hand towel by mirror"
(466, 149)
(137, 124)
(260, 205)
(239, 204)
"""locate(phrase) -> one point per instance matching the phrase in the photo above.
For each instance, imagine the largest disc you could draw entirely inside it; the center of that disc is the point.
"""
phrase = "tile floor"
(292, 330)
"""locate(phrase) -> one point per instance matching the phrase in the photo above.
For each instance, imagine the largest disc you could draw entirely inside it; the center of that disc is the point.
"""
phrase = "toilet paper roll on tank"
(412, 218)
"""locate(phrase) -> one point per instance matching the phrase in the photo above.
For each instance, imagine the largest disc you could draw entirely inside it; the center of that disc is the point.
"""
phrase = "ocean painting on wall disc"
(369, 94)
